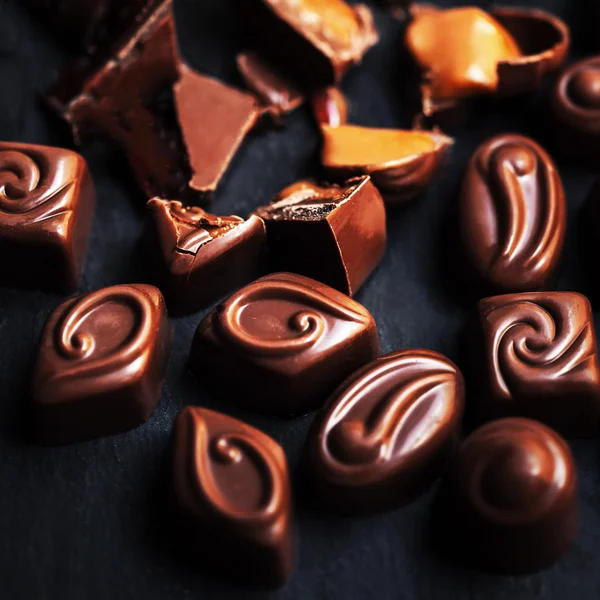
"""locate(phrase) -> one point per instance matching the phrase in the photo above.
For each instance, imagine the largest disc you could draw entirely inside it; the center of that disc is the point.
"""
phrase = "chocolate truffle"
(387, 432)
(201, 257)
(400, 163)
(289, 340)
(512, 216)
(513, 497)
(46, 207)
(316, 41)
(101, 364)
(534, 355)
(333, 234)
(233, 497)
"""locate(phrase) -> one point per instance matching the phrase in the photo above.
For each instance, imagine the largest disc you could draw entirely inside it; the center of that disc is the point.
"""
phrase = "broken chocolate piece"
(333, 234)
(400, 163)
(201, 257)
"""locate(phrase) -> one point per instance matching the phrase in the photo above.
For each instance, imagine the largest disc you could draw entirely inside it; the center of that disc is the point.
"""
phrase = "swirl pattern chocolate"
(387, 432)
(514, 493)
(512, 215)
(540, 360)
(232, 480)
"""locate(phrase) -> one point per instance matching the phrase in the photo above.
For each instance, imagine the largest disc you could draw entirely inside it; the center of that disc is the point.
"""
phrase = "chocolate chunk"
(46, 208)
(400, 163)
(316, 41)
(330, 108)
(233, 496)
(201, 257)
(512, 215)
(536, 357)
(387, 432)
(289, 339)
(333, 234)
(513, 496)
(575, 105)
(101, 364)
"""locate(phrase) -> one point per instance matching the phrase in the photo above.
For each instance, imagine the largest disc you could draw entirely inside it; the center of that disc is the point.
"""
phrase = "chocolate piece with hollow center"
(316, 41)
(46, 208)
(513, 497)
(334, 234)
(387, 432)
(101, 364)
(401, 163)
(201, 257)
(289, 339)
(512, 215)
(232, 487)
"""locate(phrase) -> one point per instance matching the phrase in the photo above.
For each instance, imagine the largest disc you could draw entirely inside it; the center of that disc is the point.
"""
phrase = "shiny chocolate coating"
(537, 358)
(200, 257)
(231, 486)
(329, 107)
(386, 433)
(46, 207)
(290, 341)
(512, 215)
(334, 234)
(101, 363)
(514, 498)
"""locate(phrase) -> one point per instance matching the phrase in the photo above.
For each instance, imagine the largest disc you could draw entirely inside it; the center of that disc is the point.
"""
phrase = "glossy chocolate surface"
(512, 216)
(231, 487)
(101, 364)
(514, 496)
(329, 107)
(400, 163)
(536, 357)
(333, 234)
(290, 341)
(200, 257)
(387, 432)
(46, 208)
(315, 40)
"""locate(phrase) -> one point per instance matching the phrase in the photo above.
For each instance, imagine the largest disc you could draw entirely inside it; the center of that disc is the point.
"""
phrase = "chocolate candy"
(315, 40)
(201, 257)
(512, 215)
(333, 234)
(46, 207)
(289, 340)
(514, 497)
(400, 163)
(329, 107)
(232, 490)
(535, 356)
(387, 432)
(101, 363)
(575, 105)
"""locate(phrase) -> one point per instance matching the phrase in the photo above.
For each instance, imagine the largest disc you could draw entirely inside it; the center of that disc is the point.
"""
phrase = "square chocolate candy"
(46, 207)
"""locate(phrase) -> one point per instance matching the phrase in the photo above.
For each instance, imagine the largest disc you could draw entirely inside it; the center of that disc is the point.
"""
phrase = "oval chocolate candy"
(512, 215)
(387, 432)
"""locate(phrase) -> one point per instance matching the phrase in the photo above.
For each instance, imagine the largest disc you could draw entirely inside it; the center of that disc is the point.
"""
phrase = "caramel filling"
(460, 48)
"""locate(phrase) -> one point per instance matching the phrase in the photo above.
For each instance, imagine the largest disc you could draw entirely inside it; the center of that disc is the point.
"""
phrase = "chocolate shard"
(512, 215)
(334, 234)
(289, 339)
(386, 433)
(101, 364)
(513, 497)
(232, 490)
(46, 207)
(200, 257)
(400, 163)
(536, 357)
(316, 41)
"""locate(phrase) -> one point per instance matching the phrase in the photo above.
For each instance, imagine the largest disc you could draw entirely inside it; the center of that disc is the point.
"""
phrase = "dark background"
(90, 520)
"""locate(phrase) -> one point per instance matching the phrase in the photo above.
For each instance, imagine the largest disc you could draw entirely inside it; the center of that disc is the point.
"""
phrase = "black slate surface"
(88, 521)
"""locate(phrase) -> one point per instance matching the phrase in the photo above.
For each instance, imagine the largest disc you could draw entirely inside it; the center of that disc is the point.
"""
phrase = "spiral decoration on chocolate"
(537, 339)
(306, 326)
(26, 181)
